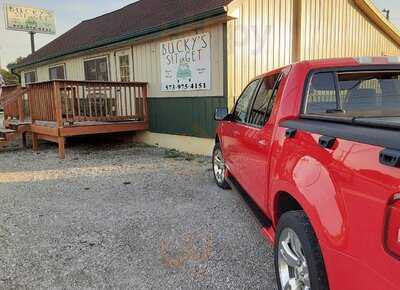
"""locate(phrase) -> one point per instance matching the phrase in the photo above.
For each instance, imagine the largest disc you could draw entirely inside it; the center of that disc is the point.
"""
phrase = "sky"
(71, 12)
(68, 14)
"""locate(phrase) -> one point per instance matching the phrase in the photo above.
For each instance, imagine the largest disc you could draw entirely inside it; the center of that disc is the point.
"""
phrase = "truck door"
(256, 138)
(234, 129)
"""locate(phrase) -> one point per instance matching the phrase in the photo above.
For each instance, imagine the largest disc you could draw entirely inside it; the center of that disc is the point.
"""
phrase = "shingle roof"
(125, 23)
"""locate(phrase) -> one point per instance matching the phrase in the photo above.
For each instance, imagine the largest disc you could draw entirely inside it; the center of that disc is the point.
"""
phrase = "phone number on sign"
(192, 86)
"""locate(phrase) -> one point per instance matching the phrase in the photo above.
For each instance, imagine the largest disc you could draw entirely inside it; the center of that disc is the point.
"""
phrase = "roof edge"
(169, 25)
(377, 17)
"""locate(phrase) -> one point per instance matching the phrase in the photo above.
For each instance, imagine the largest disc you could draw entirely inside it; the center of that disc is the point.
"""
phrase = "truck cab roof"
(340, 63)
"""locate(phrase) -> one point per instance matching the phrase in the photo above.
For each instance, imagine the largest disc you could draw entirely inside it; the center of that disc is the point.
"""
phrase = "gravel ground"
(124, 217)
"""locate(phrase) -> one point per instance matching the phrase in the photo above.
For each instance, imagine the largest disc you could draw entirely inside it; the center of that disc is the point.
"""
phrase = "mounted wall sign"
(29, 19)
(186, 63)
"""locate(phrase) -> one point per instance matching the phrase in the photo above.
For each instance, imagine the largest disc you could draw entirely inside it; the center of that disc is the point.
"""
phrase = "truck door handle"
(390, 157)
(290, 133)
(327, 141)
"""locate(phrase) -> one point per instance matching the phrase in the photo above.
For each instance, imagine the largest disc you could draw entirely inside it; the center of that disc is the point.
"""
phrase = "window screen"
(262, 108)
(30, 77)
(96, 69)
(242, 105)
(57, 73)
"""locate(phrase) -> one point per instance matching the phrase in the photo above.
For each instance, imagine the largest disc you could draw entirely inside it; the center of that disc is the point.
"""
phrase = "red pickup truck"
(316, 145)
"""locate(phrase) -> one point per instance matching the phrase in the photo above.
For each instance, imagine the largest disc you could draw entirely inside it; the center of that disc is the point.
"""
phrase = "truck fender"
(312, 186)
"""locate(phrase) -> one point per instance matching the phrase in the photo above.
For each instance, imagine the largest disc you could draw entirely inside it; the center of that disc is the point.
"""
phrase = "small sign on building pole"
(29, 19)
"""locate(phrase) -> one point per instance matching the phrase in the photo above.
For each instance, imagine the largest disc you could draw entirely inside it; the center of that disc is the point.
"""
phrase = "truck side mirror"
(220, 114)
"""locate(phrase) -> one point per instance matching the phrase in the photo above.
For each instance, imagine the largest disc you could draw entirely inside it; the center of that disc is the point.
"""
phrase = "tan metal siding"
(259, 39)
(146, 60)
(338, 28)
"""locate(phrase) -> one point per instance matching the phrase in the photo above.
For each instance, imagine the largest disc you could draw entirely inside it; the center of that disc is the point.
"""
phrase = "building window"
(96, 69)
(124, 68)
(57, 72)
(30, 77)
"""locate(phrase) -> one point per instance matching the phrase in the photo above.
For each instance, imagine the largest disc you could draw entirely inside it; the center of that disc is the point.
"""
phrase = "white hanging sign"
(185, 63)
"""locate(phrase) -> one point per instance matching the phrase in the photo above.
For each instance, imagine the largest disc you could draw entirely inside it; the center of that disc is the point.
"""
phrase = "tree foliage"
(17, 61)
(9, 78)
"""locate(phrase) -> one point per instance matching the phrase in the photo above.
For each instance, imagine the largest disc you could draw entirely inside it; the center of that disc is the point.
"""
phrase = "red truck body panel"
(344, 190)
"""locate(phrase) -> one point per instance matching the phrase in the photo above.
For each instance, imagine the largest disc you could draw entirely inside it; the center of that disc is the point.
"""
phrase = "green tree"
(9, 78)
(17, 61)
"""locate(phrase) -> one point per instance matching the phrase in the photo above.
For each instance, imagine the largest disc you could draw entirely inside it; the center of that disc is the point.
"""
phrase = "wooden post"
(57, 104)
(5, 116)
(61, 147)
(30, 100)
(296, 28)
(145, 106)
(24, 143)
(20, 100)
(34, 142)
(59, 118)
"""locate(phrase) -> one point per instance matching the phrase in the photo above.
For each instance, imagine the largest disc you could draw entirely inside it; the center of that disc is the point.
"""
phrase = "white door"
(125, 98)
(124, 66)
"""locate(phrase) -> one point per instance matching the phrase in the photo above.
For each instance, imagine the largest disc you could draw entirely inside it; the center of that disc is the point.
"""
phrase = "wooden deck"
(58, 109)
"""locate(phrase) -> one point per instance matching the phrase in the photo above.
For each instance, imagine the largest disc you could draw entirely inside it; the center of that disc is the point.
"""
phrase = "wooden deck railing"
(75, 101)
(13, 100)
(41, 101)
(6, 90)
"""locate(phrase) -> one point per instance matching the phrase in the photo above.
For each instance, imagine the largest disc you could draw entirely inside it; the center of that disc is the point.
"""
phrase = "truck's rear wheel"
(219, 168)
(298, 260)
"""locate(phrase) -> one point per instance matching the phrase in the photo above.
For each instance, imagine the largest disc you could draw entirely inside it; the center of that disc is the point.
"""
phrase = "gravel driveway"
(124, 217)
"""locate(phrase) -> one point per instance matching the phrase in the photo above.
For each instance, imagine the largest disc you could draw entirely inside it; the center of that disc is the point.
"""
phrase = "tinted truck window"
(370, 93)
(261, 108)
(357, 94)
(321, 94)
(242, 105)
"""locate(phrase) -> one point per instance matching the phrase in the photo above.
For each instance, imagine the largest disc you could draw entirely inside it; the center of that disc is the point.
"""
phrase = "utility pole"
(387, 12)
(32, 41)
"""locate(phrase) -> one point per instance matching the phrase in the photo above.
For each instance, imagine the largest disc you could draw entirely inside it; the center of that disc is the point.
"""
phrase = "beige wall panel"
(146, 60)
(259, 39)
(338, 28)
(75, 68)
(42, 73)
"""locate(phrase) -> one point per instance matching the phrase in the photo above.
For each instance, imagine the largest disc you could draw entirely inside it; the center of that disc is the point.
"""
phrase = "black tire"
(221, 183)
(298, 222)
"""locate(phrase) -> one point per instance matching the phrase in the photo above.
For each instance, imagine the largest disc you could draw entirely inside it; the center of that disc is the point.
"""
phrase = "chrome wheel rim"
(219, 166)
(292, 265)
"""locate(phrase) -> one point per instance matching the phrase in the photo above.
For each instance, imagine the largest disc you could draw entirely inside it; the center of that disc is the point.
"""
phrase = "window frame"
(250, 101)
(275, 90)
(96, 59)
(57, 66)
(128, 66)
(336, 71)
(28, 72)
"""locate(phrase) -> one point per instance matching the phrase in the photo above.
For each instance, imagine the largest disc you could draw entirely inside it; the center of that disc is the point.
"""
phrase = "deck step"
(6, 135)
(6, 131)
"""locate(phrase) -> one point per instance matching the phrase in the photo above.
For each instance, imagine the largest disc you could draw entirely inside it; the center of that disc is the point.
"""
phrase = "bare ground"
(115, 216)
